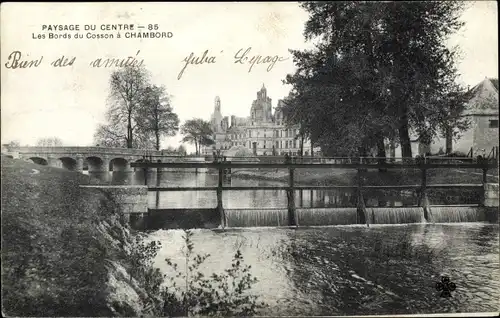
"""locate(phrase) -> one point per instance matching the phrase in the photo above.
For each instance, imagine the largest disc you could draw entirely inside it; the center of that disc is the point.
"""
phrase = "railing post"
(422, 200)
(485, 178)
(220, 208)
(361, 208)
(292, 220)
(301, 198)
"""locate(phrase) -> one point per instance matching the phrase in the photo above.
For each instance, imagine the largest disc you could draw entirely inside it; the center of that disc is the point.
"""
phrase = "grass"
(54, 257)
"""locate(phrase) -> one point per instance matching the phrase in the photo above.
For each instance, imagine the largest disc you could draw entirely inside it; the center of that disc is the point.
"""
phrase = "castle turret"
(216, 119)
(217, 103)
(261, 110)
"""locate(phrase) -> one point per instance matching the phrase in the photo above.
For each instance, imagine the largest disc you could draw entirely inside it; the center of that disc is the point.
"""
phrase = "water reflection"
(267, 198)
(354, 270)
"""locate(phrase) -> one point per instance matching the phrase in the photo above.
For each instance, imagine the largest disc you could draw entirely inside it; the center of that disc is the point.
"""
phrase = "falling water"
(394, 215)
(256, 217)
(279, 217)
(326, 216)
(342, 216)
(454, 214)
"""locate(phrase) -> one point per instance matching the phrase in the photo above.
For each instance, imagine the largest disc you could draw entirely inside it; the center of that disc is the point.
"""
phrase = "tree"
(156, 115)
(49, 142)
(127, 88)
(182, 150)
(378, 70)
(114, 136)
(110, 136)
(198, 132)
(453, 122)
(13, 144)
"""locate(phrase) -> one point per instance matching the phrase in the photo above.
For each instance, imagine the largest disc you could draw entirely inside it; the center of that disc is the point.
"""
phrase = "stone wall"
(491, 195)
(130, 199)
(485, 137)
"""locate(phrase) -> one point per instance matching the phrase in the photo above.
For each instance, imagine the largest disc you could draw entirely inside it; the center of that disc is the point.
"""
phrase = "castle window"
(493, 123)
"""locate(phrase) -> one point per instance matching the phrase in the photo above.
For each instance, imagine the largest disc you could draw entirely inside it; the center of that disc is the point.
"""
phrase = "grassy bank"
(64, 252)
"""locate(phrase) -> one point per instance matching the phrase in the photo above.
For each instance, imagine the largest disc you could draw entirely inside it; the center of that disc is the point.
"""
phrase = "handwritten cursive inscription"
(196, 60)
(243, 58)
(132, 61)
(15, 61)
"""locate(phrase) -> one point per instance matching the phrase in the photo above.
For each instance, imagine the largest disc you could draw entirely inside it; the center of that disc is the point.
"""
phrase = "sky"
(69, 102)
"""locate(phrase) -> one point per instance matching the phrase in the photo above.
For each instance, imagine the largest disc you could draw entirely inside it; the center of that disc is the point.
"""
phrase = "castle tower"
(217, 104)
(261, 110)
(216, 119)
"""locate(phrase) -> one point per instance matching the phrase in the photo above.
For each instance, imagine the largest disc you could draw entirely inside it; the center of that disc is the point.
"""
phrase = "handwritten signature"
(241, 57)
(16, 61)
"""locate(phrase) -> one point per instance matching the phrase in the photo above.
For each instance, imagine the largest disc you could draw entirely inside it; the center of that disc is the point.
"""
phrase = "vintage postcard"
(250, 159)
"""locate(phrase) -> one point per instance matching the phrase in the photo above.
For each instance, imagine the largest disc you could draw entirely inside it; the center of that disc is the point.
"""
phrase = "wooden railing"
(360, 164)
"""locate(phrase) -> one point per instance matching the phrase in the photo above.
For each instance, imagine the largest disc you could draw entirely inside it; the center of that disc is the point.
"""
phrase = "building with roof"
(482, 112)
(264, 132)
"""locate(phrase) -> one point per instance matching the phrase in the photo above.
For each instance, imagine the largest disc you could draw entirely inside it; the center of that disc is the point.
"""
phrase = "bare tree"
(116, 137)
(127, 86)
(110, 136)
(49, 142)
(13, 144)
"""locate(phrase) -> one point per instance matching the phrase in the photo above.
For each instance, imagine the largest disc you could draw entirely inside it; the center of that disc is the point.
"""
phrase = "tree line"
(379, 73)
(139, 114)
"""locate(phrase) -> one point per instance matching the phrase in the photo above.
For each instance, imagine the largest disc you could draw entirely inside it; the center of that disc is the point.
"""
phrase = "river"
(339, 270)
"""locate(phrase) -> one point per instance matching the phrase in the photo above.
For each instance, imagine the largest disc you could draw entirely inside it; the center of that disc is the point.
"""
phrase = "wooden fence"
(360, 164)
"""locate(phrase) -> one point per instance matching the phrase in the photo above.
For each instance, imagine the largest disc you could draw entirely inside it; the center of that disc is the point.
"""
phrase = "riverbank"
(64, 252)
(346, 177)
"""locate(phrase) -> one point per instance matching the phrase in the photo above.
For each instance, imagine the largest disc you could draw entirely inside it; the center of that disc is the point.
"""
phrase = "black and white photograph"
(193, 159)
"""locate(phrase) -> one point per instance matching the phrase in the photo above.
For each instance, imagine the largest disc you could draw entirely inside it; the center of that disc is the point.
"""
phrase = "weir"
(397, 215)
(294, 216)
(456, 214)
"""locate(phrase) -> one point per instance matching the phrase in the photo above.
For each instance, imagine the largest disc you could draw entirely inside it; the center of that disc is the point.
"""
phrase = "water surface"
(355, 270)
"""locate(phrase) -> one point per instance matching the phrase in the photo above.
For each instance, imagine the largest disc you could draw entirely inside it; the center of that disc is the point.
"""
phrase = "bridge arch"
(39, 161)
(119, 165)
(94, 164)
(140, 160)
(68, 163)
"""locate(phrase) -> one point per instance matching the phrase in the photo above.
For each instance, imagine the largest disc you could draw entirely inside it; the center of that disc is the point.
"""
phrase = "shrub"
(223, 294)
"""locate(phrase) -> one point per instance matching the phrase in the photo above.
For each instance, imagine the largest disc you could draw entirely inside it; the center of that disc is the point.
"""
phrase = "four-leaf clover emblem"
(445, 286)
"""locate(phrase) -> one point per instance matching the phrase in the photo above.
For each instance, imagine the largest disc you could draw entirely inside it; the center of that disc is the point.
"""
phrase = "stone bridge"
(93, 159)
